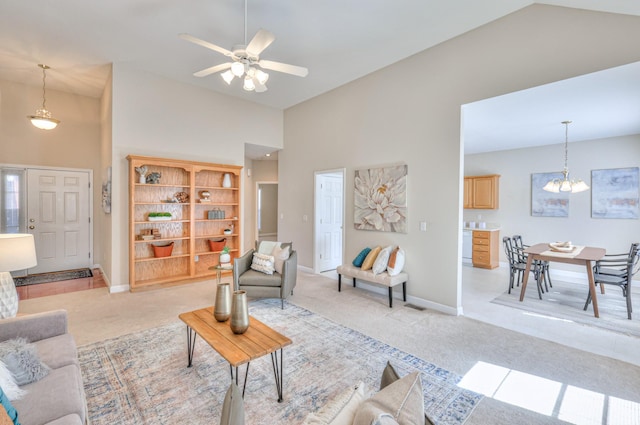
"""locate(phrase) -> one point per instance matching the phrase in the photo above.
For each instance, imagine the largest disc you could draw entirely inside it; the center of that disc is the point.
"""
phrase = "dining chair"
(617, 269)
(517, 267)
(542, 265)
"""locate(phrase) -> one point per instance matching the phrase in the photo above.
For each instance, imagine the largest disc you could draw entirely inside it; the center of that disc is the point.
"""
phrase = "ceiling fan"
(245, 60)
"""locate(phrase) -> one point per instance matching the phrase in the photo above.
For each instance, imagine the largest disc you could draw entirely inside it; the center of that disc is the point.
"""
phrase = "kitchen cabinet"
(186, 205)
(485, 248)
(482, 192)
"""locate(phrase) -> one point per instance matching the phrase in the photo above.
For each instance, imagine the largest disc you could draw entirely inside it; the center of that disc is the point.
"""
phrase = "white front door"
(329, 220)
(58, 217)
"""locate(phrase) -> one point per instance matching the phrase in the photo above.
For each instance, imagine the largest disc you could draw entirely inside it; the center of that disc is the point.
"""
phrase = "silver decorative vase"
(222, 309)
(239, 312)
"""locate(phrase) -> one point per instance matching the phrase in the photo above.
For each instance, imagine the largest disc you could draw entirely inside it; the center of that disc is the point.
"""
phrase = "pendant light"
(566, 184)
(42, 118)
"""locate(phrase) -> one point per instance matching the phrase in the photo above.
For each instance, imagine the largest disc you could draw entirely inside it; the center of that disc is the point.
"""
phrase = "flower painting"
(380, 200)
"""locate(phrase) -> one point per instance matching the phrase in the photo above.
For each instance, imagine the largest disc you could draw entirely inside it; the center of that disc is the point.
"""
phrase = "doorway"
(266, 211)
(55, 205)
(329, 220)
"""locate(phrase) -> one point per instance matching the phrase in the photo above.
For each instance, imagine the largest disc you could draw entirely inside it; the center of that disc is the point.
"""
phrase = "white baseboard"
(112, 288)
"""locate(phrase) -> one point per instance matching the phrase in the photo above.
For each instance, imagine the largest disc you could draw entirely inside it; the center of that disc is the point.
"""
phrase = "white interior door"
(58, 217)
(329, 219)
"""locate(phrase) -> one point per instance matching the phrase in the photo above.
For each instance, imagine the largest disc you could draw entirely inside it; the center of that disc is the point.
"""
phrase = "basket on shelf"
(216, 244)
(160, 251)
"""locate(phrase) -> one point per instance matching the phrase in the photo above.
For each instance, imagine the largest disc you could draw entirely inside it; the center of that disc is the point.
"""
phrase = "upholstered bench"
(367, 275)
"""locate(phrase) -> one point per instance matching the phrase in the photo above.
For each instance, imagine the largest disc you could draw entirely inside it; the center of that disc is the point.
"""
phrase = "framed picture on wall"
(615, 193)
(380, 199)
(547, 204)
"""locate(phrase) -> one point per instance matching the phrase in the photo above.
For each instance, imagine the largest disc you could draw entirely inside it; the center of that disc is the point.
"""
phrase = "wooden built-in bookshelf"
(189, 227)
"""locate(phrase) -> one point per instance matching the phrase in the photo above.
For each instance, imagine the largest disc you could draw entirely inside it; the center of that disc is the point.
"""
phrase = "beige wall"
(155, 116)
(105, 160)
(514, 215)
(411, 112)
(261, 171)
(75, 143)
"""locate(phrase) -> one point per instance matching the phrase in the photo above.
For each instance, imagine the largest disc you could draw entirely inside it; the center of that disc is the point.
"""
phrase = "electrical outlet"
(423, 226)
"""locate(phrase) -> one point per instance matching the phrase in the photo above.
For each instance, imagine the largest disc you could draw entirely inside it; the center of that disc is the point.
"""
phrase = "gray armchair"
(261, 285)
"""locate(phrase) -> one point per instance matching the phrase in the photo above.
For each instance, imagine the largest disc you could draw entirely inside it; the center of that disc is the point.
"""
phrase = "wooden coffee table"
(256, 342)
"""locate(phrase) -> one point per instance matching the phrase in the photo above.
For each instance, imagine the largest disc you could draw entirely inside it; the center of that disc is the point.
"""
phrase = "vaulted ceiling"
(338, 41)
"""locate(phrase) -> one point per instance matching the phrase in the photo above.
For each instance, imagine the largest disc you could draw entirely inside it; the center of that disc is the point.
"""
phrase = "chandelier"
(42, 118)
(565, 184)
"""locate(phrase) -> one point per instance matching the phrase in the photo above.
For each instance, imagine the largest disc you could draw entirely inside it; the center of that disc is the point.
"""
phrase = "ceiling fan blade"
(213, 69)
(206, 44)
(260, 41)
(283, 67)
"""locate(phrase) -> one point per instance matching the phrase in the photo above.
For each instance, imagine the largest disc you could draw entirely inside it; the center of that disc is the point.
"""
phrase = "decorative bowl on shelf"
(227, 231)
(216, 244)
(160, 251)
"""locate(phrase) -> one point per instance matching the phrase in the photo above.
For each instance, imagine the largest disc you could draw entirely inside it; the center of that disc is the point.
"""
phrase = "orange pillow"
(371, 258)
(392, 257)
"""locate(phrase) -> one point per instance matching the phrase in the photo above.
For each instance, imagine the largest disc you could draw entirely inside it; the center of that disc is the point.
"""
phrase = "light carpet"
(143, 378)
(566, 300)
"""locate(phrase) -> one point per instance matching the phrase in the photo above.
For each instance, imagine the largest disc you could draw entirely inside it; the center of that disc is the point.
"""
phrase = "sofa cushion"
(263, 263)
(255, 278)
(361, 256)
(341, 410)
(21, 358)
(371, 258)
(389, 376)
(8, 408)
(58, 394)
(380, 265)
(280, 255)
(72, 419)
(58, 351)
(8, 384)
(267, 247)
(396, 262)
(232, 407)
(402, 400)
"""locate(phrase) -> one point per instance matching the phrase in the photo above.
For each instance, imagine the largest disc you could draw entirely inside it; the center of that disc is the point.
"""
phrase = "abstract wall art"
(547, 204)
(614, 193)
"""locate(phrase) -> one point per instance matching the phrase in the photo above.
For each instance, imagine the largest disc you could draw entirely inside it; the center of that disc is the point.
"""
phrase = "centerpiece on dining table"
(562, 246)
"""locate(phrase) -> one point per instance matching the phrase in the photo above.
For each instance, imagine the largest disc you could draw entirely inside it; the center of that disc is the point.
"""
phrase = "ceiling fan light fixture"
(227, 76)
(260, 88)
(261, 76)
(237, 69)
(42, 118)
(249, 85)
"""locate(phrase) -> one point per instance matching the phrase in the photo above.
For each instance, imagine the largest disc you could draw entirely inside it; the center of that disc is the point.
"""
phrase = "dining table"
(580, 255)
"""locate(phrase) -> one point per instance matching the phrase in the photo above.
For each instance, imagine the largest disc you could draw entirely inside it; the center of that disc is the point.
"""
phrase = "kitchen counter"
(489, 228)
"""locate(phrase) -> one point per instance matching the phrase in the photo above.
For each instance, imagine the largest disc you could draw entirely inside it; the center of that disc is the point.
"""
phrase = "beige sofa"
(58, 398)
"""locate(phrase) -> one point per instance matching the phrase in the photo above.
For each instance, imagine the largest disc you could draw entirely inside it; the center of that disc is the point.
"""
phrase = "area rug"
(566, 301)
(143, 378)
(52, 277)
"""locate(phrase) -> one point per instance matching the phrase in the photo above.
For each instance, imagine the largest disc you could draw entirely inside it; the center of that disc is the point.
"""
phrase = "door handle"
(32, 227)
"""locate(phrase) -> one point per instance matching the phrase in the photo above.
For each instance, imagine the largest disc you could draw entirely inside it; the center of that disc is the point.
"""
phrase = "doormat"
(34, 279)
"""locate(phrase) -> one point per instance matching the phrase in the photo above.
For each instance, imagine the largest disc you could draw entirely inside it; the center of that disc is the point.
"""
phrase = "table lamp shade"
(17, 252)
